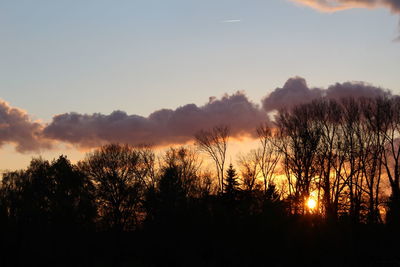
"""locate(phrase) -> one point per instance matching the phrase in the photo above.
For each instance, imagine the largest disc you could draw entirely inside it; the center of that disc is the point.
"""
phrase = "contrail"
(231, 21)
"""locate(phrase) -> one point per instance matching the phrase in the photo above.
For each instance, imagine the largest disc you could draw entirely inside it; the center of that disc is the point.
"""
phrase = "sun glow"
(311, 203)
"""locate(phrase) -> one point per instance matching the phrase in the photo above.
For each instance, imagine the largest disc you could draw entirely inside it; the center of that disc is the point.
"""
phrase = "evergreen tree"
(231, 182)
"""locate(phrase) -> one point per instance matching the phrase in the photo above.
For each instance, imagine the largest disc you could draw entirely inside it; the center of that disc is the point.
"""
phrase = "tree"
(328, 115)
(231, 183)
(391, 156)
(177, 182)
(268, 154)
(349, 151)
(167, 201)
(376, 113)
(214, 144)
(119, 179)
(186, 164)
(299, 138)
(46, 193)
(27, 194)
(72, 199)
(249, 165)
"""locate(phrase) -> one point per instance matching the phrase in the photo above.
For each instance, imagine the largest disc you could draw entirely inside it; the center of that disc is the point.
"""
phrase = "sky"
(142, 56)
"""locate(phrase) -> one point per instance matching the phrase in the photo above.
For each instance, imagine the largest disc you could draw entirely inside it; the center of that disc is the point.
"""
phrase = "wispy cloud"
(336, 5)
(231, 21)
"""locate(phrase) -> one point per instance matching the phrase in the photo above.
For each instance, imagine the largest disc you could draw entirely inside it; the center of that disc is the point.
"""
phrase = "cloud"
(296, 91)
(166, 126)
(336, 5)
(162, 127)
(16, 127)
(355, 90)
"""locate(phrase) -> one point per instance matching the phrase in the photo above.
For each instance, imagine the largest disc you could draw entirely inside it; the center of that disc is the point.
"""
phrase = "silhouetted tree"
(231, 183)
(249, 165)
(49, 193)
(119, 179)
(268, 155)
(179, 180)
(186, 164)
(350, 150)
(171, 193)
(27, 194)
(391, 155)
(214, 144)
(299, 139)
(376, 113)
(342, 153)
(327, 115)
(72, 199)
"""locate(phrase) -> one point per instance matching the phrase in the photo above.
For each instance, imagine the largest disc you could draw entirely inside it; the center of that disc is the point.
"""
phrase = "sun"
(311, 203)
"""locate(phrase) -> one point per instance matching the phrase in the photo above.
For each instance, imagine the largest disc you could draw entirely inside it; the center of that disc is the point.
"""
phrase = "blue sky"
(140, 56)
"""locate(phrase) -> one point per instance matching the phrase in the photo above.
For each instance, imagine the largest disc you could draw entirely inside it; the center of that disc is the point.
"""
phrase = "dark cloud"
(295, 91)
(16, 127)
(162, 127)
(354, 89)
(166, 126)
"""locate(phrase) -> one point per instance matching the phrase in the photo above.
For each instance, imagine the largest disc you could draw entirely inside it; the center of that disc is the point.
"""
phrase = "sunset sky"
(141, 56)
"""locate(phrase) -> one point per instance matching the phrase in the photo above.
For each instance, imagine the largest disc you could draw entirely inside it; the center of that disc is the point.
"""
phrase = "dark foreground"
(198, 239)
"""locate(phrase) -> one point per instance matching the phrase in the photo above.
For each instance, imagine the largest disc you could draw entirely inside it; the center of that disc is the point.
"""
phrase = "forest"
(322, 189)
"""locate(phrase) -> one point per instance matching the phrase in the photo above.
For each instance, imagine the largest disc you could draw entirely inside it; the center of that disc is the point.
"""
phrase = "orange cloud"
(337, 5)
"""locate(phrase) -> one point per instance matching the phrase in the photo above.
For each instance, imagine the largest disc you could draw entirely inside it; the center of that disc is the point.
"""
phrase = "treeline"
(345, 152)
(125, 206)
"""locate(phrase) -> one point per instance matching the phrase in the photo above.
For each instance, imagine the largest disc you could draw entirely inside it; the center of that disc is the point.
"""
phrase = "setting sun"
(311, 203)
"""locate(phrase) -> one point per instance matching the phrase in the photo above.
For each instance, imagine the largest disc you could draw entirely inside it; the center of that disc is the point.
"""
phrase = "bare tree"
(249, 166)
(327, 114)
(376, 113)
(206, 185)
(147, 169)
(214, 144)
(391, 153)
(268, 154)
(350, 151)
(187, 165)
(299, 138)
